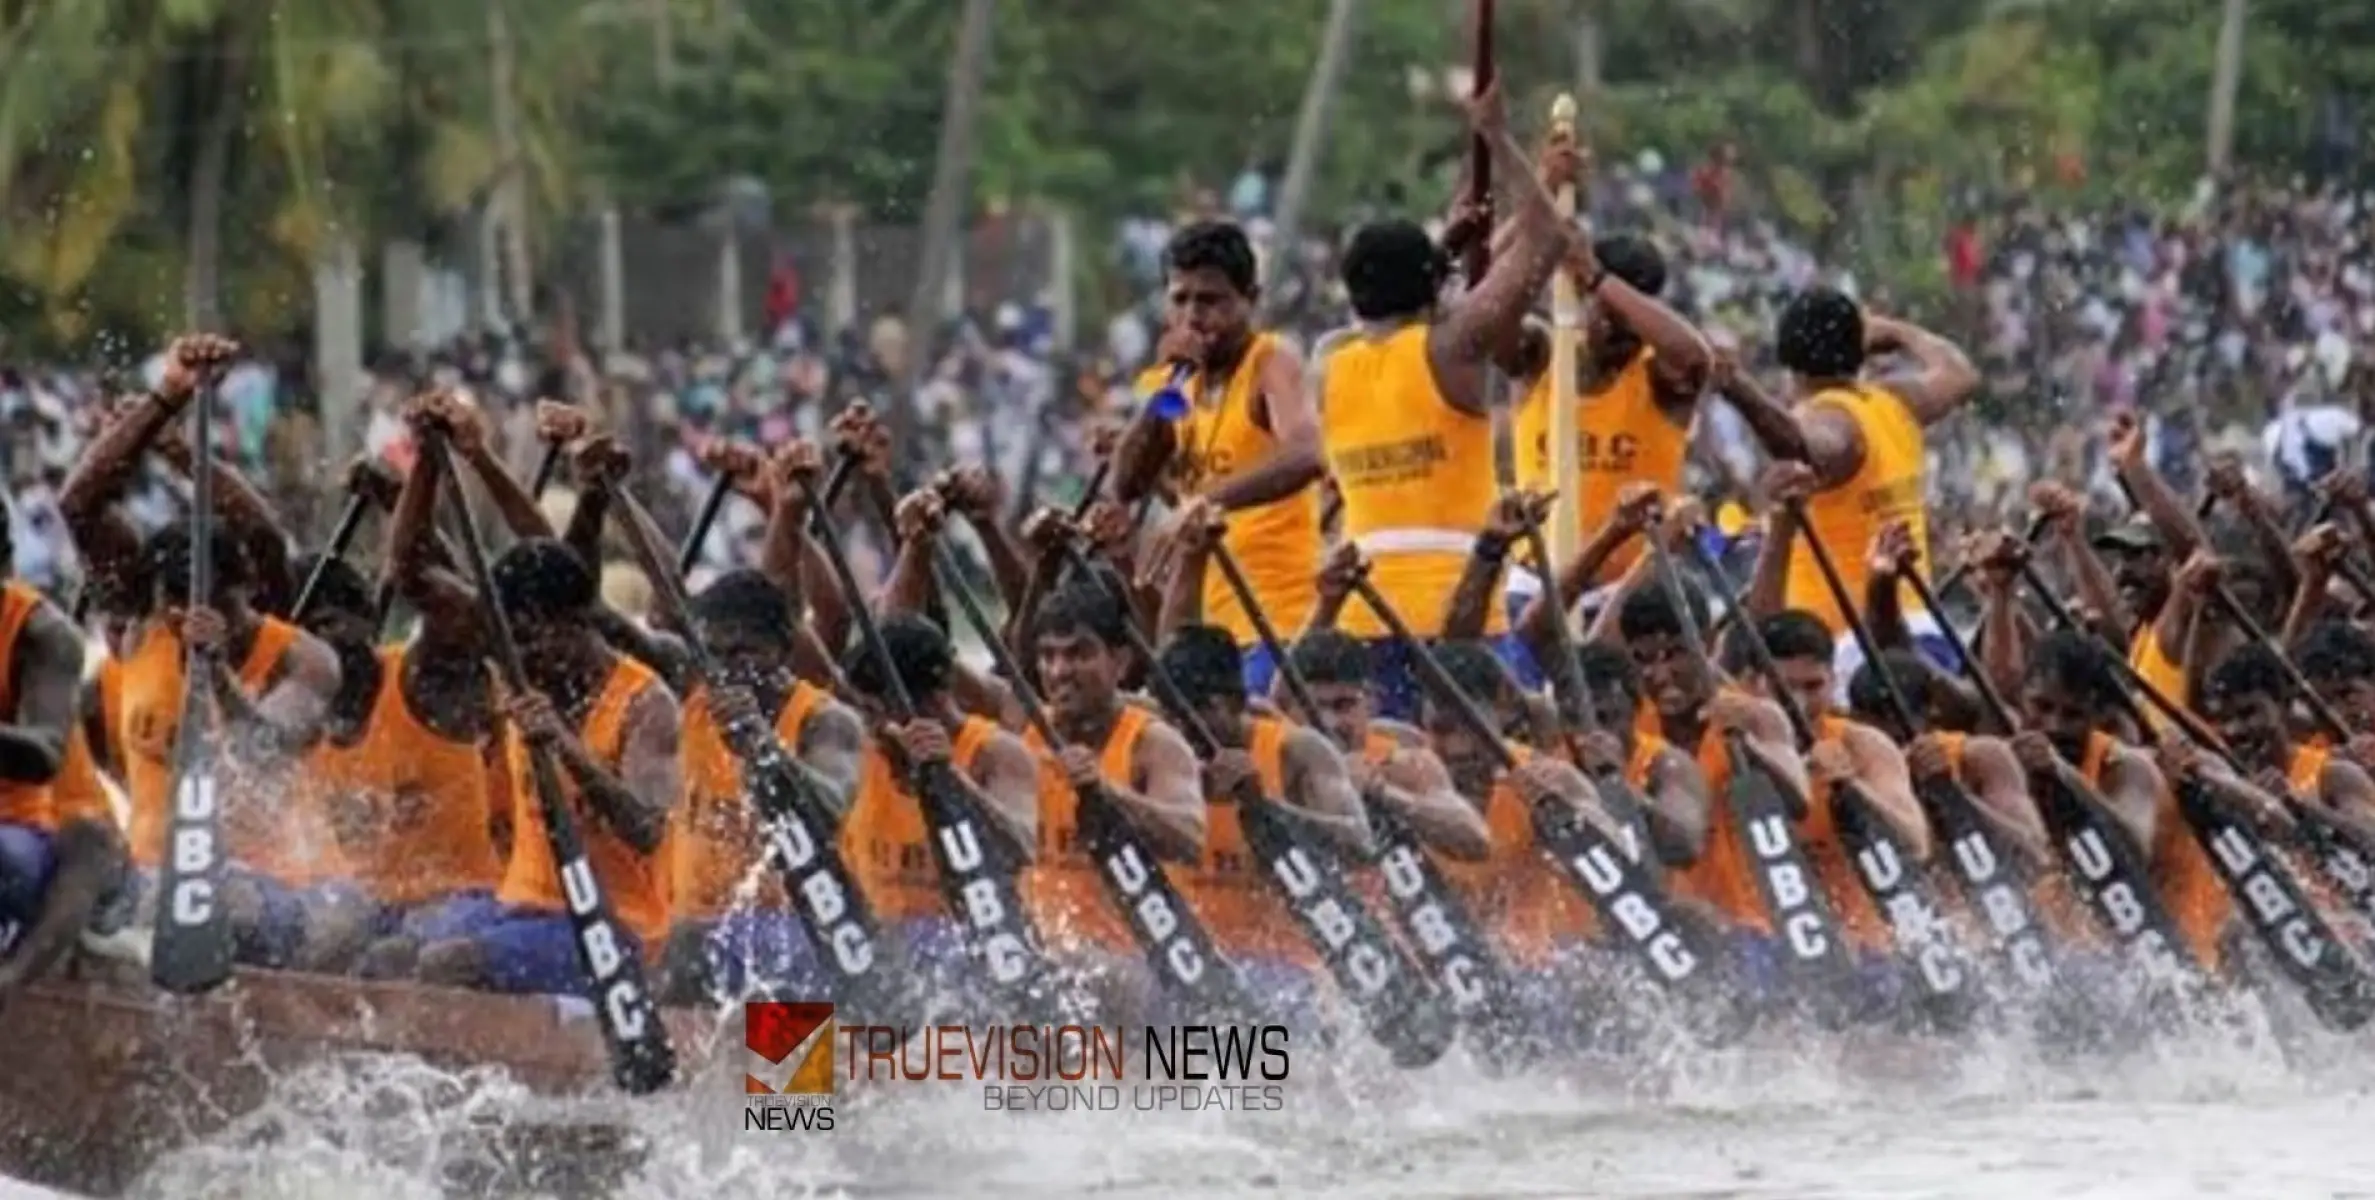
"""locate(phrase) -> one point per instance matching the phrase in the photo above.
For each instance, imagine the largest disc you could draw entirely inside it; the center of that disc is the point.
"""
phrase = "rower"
(1249, 443)
(1405, 413)
(2337, 657)
(1144, 767)
(1692, 713)
(1637, 391)
(399, 767)
(735, 931)
(1845, 751)
(1863, 437)
(1665, 776)
(2070, 703)
(1295, 766)
(885, 839)
(1389, 761)
(610, 729)
(55, 860)
(1541, 923)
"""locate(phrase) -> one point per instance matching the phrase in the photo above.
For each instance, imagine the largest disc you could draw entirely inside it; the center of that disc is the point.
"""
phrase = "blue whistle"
(1171, 403)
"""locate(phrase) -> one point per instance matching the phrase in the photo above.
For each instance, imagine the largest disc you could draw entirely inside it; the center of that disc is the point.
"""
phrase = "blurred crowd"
(2243, 322)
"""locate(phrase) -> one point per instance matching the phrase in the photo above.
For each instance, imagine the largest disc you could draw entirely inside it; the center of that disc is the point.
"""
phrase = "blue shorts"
(1764, 971)
(26, 863)
(1394, 682)
(1260, 670)
(1289, 991)
(764, 952)
(530, 950)
(279, 929)
(459, 915)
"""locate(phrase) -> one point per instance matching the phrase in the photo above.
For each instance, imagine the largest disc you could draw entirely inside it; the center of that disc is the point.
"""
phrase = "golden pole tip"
(1562, 110)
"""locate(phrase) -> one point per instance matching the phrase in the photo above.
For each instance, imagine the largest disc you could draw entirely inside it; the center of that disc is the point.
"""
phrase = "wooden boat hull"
(102, 1073)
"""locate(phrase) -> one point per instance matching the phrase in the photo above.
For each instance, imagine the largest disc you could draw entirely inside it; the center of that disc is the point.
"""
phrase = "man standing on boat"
(54, 863)
(1248, 442)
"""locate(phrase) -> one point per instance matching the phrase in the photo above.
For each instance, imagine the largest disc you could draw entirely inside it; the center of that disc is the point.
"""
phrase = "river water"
(1809, 1119)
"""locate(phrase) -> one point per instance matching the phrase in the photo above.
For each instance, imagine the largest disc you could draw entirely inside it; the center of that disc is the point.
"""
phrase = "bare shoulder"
(654, 716)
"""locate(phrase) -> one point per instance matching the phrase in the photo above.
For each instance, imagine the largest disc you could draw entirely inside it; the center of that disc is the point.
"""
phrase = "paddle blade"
(194, 946)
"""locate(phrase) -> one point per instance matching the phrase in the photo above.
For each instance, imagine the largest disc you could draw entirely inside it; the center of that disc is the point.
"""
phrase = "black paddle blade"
(977, 882)
(1991, 886)
(1946, 984)
(1400, 1007)
(833, 910)
(1802, 919)
(1185, 960)
(1623, 890)
(2335, 983)
(1437, 926)
(2112, 879)
(641, 1060)
(194, 944)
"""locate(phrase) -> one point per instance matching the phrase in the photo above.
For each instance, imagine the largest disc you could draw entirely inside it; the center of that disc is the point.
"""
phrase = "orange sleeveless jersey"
(2057, 904)
(1826, 851)
(1623, 436)
(1277, 544)
(1227, 888)
(289, 841)
(1416, 474)
(636, 882)
(1067, 902)
(1518, 890)
(714, 840)
(78, 794)
(29, 804)
(1887, 487)
(423, 798)
(1720, 878)
(2188, 884)
(885, 840)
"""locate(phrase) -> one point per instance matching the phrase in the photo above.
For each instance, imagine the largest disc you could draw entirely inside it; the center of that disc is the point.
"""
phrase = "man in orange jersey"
(1122, 751)
(2071, 704)
(40, 675)
(1667, 778)
(886, 837)
(1864, 438)
(1389, 761)
(399, 766)
(1249, 442)
(1287, 764)
(609, 727)
(734, 929)
(1637, 390)
(1694, 714)
(1537, 914)
(1405, 414)
(2337, 657)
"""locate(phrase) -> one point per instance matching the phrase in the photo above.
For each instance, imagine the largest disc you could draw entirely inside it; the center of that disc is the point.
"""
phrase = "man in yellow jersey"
(1863, 437)
(41, 657)
(1248, 442)
(610, 729)
(1141, 766)
(1405, 417)
(1637, 388)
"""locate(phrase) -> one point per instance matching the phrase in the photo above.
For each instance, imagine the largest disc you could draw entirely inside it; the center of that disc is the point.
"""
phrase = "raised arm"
(1292, 417)
(1941, 377)
(1486, 315)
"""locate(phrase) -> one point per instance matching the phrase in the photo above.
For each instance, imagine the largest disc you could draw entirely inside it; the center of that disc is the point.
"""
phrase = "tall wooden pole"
(1311, 127)
(944, 212)
(1566, 338)
(1480, 155)
(2226, 76)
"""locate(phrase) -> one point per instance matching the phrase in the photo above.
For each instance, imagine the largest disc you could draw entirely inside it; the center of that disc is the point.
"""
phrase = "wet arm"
(1322, 793)
(636, 801)
(1006, 780)
(1294, 464)
(1007, 567)
(1488, 314)
(2308, 604)
(2131, 794)
(109, 546)
(2095, 585)
(1994, 778)
(518, 508)
(2004, 649)
(911, 586)
(1139, 459)
(2276, 549)
(833, 747)
(1534, 624)
(1469, 605)
(1768, 583)
(1415, 784)
(1680, 368)
(1678, 808)
(1774, 746)
(665, 654)
(1605, 627)
(586, 522)
(244, 511)
(1883, 781)
(89, 857)
(1183, 589)
(48, 666)
(1165, 797)
(1942, 376)
(2170, 513)
(2348, 795)
(289, 715)
(1884, 614)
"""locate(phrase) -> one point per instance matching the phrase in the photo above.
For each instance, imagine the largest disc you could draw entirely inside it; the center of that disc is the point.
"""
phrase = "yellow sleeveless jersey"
(1416, 475)
(1622, 435)
(1888, 487)
(1277, 544)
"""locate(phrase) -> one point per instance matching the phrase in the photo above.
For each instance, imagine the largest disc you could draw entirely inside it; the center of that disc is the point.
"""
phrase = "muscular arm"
(1942, 376)
(1006, 778)
(1774, 746)
(1678, 807)
(47, 686)
(1293, 423)
(244, 511)
(519, 509)
(1768, 582)
(636, 801)
(1165, 794)
(1995, 780)
(1488, 314)
(833, 747)
(1182, 602)
(1414, 783)
(2095, 584)
(1534, 626)
(109, 546)
(1320, 790)
(1470, 603)
(1882, 780)
(1680, 369)
(2170, 513)
(2131, 793)
(2349, 795)
(289, 715)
